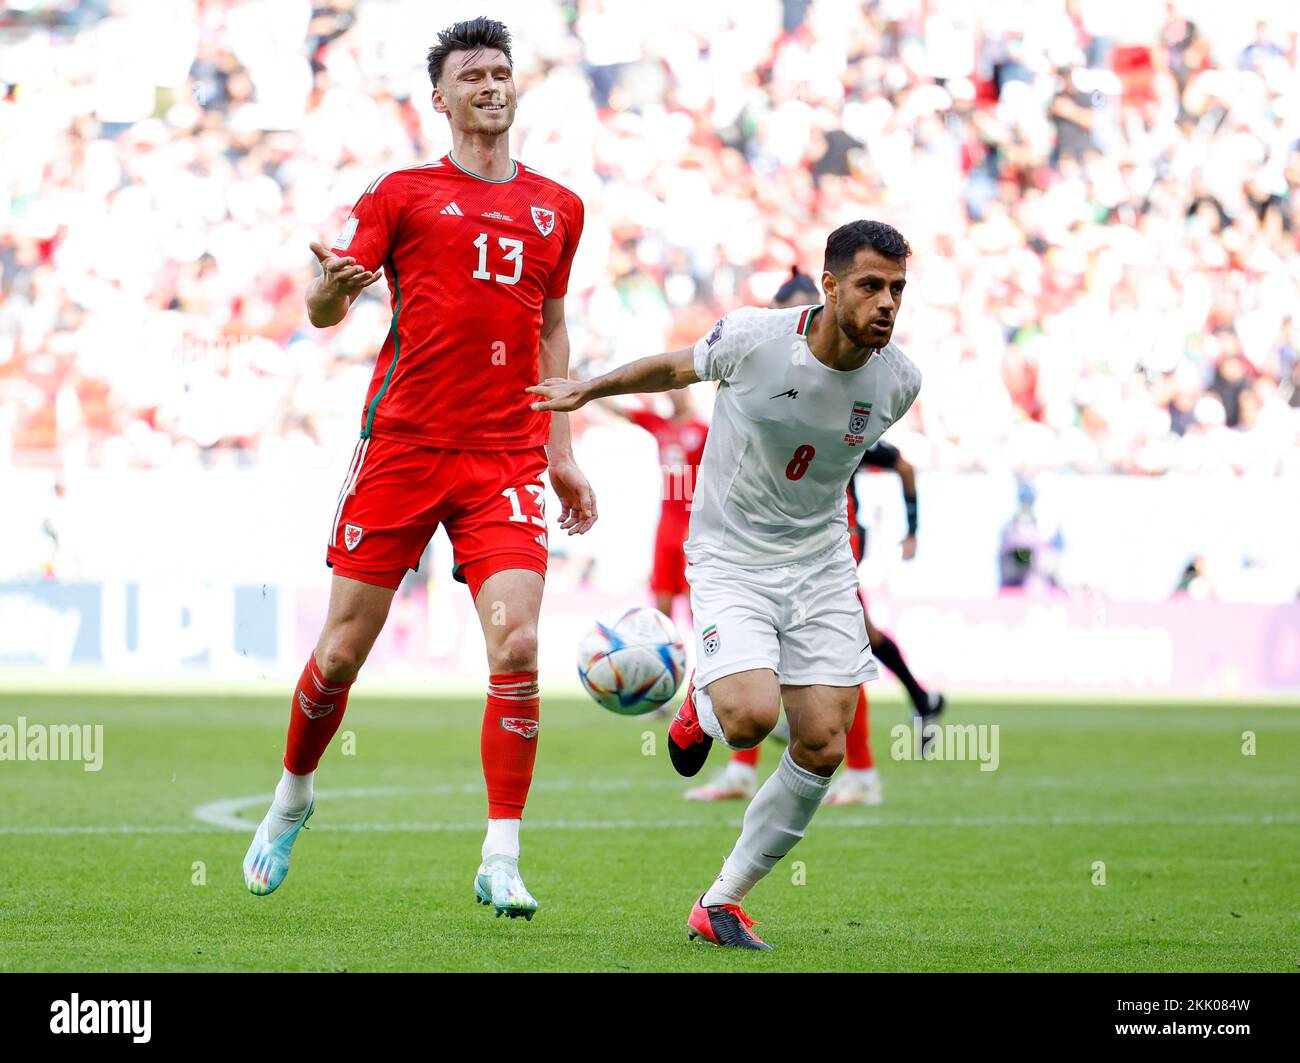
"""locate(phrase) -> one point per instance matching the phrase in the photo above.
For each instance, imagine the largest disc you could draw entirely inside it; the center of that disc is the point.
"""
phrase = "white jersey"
(787, 435)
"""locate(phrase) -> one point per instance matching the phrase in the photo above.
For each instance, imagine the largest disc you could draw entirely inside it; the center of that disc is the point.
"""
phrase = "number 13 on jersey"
(514, 252)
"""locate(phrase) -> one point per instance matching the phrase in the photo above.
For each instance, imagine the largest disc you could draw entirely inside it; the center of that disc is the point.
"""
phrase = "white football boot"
(498, 884)
(856, 788)
(267, 861)
(735, 782)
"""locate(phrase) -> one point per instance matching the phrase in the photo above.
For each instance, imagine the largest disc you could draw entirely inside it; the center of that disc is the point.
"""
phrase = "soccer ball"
(632, 660)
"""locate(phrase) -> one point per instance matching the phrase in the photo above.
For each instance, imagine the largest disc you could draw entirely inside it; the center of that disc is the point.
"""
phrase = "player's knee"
(820, 754)
(516, 651)
(746, 725)
(339, 659)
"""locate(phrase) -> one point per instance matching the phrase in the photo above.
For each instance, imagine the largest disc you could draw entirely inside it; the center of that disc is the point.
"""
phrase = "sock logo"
(521, 726)
(352, 535)
(314, 709)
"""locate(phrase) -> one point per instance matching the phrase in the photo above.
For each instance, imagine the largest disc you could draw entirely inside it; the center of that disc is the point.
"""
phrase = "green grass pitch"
(958, 870)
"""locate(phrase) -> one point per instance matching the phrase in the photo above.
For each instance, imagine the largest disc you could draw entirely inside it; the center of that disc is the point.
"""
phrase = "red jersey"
(681, 445)
(468, 263)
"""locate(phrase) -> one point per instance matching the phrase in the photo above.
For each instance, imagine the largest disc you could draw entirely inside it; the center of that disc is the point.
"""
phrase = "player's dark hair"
(468, 36)
(845, 242)
(798, 284)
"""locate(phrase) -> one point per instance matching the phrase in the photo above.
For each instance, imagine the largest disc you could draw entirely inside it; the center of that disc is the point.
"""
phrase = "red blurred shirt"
(681, 445)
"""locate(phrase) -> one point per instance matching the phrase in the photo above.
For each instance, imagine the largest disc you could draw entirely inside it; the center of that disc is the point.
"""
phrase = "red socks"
(317, 712)
(857, 747)
(747, 756)
(509, 742)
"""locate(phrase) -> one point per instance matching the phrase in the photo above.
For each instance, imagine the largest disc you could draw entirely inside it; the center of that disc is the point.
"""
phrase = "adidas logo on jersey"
(451, 208)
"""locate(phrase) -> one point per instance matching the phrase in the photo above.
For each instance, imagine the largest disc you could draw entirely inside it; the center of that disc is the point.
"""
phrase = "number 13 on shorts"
(537, 501)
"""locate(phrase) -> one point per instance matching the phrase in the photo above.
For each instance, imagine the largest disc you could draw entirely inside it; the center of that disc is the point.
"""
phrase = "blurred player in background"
(773, 581)
(859, 783)
(681, 445)
(476, 250)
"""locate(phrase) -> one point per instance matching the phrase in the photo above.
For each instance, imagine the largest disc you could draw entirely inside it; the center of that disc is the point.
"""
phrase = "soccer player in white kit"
(803, 392)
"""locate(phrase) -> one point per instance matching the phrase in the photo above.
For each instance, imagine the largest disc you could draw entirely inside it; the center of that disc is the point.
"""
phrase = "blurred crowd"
(1101, 199)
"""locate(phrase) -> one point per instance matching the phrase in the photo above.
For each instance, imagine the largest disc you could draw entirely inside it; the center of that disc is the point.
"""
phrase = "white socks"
(709, 722)
(293, 794)
(774, 822)
(502, 839)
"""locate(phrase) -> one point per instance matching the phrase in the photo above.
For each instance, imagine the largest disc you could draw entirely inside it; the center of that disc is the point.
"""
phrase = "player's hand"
(342, 276)
(909, 547)
(577, 500)
(561, 395)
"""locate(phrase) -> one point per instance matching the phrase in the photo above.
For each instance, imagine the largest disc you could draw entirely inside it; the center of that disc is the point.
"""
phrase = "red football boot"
(724, 924)
(688, 745)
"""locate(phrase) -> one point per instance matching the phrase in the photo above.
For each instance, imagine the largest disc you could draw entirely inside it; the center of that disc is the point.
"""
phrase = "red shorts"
(669, 573)
(396, 494)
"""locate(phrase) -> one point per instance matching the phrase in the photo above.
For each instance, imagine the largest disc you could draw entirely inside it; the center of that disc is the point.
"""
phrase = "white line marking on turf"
(223, 813)
(221, 816)
(1282, 819)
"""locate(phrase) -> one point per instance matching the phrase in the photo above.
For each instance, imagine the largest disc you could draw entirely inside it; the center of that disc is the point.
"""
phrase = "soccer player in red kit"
(681, 445)
(476, 250)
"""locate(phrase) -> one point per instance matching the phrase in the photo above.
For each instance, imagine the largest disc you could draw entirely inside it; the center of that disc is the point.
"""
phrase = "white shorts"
(803, 621)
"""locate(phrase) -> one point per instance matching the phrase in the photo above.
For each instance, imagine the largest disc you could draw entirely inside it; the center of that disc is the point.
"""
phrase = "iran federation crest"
(544, 220)
(858, 424)
(521, 726)
(711, 640)
(352, 535)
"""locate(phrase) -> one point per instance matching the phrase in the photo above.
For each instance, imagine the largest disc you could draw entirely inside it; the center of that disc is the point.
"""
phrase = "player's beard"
(864, 339)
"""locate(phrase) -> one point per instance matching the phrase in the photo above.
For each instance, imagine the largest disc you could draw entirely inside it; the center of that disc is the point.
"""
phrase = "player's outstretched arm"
(577, 500)
(331, 293)
(659, 372)
(907, 474)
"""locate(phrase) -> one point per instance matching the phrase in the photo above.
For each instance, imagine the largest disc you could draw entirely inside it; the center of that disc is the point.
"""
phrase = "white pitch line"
(831, 821)
(223, 813)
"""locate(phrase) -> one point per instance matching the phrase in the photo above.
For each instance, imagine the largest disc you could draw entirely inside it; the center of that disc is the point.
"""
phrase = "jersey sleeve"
(719, 354)
(557, 284)
(371, 229)
(909, 380)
